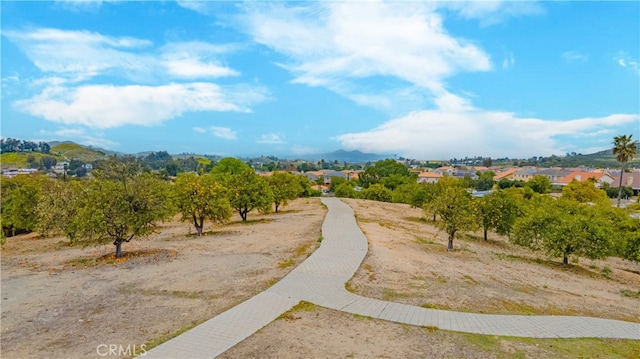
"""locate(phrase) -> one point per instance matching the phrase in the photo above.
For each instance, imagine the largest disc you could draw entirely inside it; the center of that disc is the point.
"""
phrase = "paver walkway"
(320, 280)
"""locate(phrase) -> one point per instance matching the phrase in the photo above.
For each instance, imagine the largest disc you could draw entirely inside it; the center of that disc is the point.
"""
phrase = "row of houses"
(562, 177)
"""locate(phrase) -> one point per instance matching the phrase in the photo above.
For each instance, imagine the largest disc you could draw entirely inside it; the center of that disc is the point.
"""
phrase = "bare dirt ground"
(51, 308)
(59, 302)
(408, 262)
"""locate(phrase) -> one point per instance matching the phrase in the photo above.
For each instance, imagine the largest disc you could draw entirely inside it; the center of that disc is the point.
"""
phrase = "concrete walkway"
(320, 280)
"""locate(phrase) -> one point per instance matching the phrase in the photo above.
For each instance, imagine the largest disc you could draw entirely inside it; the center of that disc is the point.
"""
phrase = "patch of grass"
(488, 343)
(320, 239)
(470, 279)
(439, 278)
(362, 317)
(423, 240)
(390, 294)
(143, 256)
(581, 347)
(630, 293)
(303, 306)
(606, 272)
(83, 262)
(431, 328)
(301, 250)
(286, 264)
(417, 219)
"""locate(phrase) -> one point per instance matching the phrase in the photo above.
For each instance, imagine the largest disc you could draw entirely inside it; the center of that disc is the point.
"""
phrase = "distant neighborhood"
(69, 159)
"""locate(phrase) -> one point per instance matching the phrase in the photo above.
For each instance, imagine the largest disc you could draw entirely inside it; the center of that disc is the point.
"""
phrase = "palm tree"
(624, 148)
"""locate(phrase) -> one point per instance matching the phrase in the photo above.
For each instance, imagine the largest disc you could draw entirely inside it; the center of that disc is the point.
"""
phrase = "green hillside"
(19, 159)
(72, 151)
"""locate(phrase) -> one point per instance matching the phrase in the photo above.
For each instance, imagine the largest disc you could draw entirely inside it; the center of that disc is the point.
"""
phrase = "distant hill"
(348, 156)
(73, 151)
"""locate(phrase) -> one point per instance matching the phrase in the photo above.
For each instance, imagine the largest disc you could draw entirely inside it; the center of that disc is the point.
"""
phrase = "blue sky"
(425, 80)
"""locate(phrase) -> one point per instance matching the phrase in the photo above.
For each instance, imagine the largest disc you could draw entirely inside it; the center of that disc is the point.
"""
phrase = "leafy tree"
(539, 184)
(57, 207)
(200, 198)
(496, 211)
(120, 210)
(346, 190)
(230, 165)
(48, 161)
(305, 186)
(382, 169)
(563, 228)
(613, 192)
(454, 208)
(485, 181)
(19, 199)
(247, 190)
(285, 187)
(624, 148)
(378, 192)
(585, 192)
(335, 182)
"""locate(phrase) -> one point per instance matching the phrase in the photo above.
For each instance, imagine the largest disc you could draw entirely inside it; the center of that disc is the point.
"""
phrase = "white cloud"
(626, 61)
(80, 5)
(574, 56)
(271, 138)
(441, 134)
(81, 54)
(493, 12)
(199, 129)
(341, 45)
(224, 133)
(508, 61)
(108, 106)
(202, 7)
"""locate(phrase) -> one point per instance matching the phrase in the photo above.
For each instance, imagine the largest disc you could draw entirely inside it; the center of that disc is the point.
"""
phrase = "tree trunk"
(119, 248)
(199, 225)
(277, 204)
(620, 186)
(565, 260)
(243, 214)
(485, 235)
(450, 245)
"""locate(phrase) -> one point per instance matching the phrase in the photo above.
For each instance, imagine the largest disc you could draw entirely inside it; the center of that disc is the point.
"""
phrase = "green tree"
(377, 192)
(201, 198)
(539, 184)
(485, 181)
(248, 191)
(48, 161)
(229, 165)
(121, 210)
(624, 148)
(346, 190)
(335, 182)
(563, 228)
(285, 187)
(454, 208)
(389, 169)
(57, 207)
(585, 192)
(496, 211)
(305, 186)
(19, 200)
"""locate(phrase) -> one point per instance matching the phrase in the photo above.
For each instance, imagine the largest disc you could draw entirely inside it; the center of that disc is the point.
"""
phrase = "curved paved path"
(320, 280)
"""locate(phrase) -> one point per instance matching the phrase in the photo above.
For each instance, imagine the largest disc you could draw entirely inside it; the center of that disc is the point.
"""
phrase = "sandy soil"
(51, 308)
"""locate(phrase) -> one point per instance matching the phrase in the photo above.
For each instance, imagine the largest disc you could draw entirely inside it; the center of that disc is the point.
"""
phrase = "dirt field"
(58, 302)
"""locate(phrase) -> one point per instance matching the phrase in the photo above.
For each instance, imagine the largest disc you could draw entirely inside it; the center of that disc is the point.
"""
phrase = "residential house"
(525, 175)
(506, 174)
(554, 175)
(599, 177)
(629, 179)
(429, 177)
